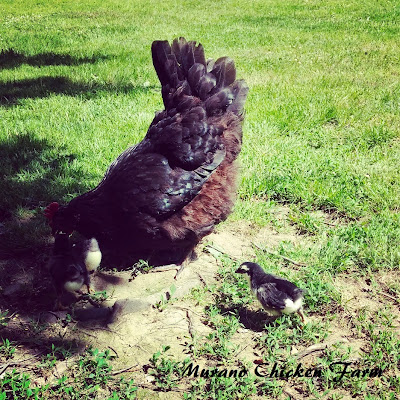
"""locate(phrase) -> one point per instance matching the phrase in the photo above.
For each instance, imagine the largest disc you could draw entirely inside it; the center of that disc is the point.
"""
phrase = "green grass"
(321, 136)
(322, 120)
(225, 314)
(92, 373)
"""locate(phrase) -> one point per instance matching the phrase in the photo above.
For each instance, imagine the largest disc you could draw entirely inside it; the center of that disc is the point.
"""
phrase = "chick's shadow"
(254, 320)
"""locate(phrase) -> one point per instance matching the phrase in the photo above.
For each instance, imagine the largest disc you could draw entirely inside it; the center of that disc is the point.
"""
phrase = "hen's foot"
(164, 268)
(169, 267)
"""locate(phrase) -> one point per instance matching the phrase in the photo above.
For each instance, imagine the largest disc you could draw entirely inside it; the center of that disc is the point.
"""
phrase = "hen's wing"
(146, 183)
(187, 138)
(274, 291)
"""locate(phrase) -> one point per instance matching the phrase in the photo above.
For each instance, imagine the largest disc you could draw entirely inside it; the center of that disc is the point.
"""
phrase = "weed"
(167, 372)
(57, 353)
(7, 349)
(305, 222)
(90, 376)
(99, 297)
(15, 385)
(162, 304)
(385, 346)
(95, 368)
(142, 266)
(4, 318)
(222, 388)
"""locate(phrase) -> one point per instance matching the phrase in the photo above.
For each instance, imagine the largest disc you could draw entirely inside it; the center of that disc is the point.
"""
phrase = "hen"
(161, 196)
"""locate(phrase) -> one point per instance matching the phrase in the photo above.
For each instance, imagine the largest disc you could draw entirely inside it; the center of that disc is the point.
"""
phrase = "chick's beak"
(240, 270)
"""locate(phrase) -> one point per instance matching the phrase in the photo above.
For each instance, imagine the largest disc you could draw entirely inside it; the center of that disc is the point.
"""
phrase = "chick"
(91, 253)
(277, 295)
(70, 264)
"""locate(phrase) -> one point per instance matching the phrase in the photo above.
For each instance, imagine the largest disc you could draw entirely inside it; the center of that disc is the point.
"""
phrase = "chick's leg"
(89, 289)
(302, 316)
(87, 284)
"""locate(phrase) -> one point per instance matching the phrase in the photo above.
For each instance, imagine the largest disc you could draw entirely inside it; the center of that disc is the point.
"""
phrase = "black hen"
(277, 295)
(160, 197)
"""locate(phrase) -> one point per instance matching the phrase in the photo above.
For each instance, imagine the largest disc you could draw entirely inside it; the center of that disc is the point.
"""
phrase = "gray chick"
(277, 295)
(69, 264)
(91, 253)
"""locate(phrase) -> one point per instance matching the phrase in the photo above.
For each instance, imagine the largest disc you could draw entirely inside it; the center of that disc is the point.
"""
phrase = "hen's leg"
(58, 306)
(184, 260)
(169, 267)
(182, 266)
(163, 268)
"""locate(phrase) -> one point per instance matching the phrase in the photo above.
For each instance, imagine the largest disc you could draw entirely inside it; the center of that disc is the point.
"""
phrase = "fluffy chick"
(277, 295)
(70, 264)
(91, 253)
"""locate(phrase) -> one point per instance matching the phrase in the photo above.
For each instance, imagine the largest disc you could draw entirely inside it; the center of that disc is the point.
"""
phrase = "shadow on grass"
(32, 170)
(40, 346)
(255, 320)
(28, 333)
(250, 319)
(32, 174)
(13, 59)
(12, 92)
(27, 295)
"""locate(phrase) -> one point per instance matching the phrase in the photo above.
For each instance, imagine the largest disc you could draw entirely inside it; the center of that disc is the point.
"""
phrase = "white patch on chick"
(73, 286)
(291, 306)
(93, 256)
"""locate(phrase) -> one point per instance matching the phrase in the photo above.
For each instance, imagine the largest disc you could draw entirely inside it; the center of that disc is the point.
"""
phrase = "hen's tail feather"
(160, 51)
(195, 74)
(183, 70)
(240, 89)
(225, 72)
(198, 53)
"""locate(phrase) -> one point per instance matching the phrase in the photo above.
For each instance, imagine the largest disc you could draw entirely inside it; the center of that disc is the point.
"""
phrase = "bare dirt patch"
(142, 313)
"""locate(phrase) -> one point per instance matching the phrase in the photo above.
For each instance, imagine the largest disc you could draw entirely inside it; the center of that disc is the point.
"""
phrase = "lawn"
(320, 171)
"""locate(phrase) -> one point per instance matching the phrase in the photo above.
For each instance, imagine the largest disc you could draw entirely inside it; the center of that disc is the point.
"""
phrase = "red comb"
(50, 210)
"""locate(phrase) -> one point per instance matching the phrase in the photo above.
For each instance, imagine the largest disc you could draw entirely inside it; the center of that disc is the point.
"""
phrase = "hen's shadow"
(12, 59)
(36, 88)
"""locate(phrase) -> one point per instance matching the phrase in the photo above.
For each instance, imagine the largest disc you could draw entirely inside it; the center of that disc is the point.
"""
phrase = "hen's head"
(50, 210)
(61, 218)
